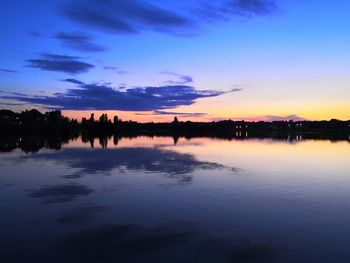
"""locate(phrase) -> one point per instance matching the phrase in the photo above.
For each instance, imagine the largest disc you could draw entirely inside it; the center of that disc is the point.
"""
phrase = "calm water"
(201, 200)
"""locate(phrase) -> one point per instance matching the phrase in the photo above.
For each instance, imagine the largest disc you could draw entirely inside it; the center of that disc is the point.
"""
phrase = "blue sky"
(251, 59)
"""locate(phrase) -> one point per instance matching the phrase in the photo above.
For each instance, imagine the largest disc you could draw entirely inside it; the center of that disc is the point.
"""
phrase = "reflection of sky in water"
(203, 199)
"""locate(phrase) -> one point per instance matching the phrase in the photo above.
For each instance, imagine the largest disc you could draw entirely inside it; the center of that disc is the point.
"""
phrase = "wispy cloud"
(180, 114)
(8, 70)
(62, 63)
(74, 81)
(120, 16)
(292, 117)
(12, 104)
(116, 70)
(250, 7)
(182, 79)
(224, 10)
(110, 68)
(126, 17)
(79, 41)
(105, 97)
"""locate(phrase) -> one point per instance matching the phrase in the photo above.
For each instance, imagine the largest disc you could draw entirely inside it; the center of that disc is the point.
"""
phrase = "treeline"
(33, 121)
(53, 122)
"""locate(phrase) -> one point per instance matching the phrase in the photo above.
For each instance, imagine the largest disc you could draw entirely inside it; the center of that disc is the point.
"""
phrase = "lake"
(165, 199)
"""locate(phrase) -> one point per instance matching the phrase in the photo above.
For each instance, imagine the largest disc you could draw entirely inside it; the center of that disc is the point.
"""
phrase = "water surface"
(148, 199)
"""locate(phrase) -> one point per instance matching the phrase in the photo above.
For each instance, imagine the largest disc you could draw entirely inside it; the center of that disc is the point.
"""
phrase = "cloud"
(121, 16)
(130, 17)
(74, 81)
(62, 63)
(214, 11)
(236, 89)
(8, 70)
(250, 7)
(282, 118)
(292, 117)
(116, 69)
(105, 97)
(182, 79)
(11, 104)
(180, 114)
(79, 41)
(110, 68)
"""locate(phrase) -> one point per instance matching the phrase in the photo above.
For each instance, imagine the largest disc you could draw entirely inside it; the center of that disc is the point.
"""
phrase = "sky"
(199, 60)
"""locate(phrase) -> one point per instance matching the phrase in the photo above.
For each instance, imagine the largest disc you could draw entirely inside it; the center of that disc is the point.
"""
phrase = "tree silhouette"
(103, 118)
(115, 120)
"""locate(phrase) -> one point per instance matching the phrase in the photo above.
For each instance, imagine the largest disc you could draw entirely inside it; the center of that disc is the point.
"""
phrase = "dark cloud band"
(79, 41)
(104, 97)
(121, 16)
(125, 17)
(62, 63)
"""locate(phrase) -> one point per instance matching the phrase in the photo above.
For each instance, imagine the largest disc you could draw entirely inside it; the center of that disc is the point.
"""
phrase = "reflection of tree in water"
(115, 140)
(175, 139)
(8, 144)
(103, 141)
(156, 160)
(32, 143)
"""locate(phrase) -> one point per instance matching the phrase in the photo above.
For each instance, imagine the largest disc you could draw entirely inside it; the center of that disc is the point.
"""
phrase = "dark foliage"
(54, 123)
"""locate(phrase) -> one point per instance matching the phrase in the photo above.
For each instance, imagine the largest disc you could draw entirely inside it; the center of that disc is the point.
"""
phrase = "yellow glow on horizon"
(216, 110)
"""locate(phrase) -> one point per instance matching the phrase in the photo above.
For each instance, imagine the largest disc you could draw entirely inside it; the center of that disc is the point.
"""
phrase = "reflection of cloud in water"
(80, 215)
(72, 176)
(112, 188)
(155, 160)
(61, 193)
(7, 185)
(180, 242)
(244, 251)
(110, 243)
